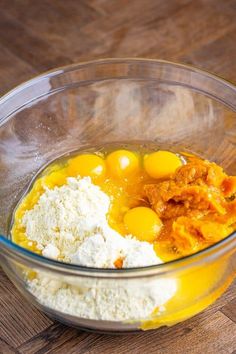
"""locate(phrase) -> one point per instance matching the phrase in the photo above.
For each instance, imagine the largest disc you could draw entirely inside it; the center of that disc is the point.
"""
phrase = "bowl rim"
(19, 253)
(208, 254)
(74, 66)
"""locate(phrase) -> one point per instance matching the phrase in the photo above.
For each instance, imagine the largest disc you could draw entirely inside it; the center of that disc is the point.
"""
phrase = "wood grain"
(55, 339)
(17, 314)
(39, 35)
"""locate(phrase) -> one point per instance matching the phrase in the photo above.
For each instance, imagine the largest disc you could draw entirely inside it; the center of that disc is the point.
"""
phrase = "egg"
(122, 163)
(143, 223)
(161, 164)
(87, 165)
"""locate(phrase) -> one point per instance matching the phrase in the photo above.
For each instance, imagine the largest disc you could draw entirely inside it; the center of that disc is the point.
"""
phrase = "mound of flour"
(69, 223)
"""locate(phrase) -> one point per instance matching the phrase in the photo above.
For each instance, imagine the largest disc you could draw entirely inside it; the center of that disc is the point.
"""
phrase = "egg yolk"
(87, 165)
(143, 223)
(161, 164)
(122, 163)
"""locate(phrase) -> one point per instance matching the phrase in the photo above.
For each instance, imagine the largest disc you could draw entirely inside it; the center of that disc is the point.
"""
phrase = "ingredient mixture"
(125, 202)
(122, 209)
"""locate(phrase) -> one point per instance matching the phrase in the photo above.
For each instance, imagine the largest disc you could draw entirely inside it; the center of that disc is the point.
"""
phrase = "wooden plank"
(50, 24)
(162, 36)
(58, 338)
(230, 310)
(29, 47)
(118, 15)
(5, 348)
(194, 336)
(218, 56)
(19, 321)
(13, 70)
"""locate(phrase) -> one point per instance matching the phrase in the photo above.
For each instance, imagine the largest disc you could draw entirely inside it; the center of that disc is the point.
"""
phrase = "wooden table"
(40, 35)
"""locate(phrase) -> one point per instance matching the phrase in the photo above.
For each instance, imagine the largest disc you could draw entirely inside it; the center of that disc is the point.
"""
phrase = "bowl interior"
(171, 106)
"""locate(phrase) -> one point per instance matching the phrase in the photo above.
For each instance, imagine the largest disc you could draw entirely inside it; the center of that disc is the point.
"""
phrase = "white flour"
(104, 299)
(69, 223)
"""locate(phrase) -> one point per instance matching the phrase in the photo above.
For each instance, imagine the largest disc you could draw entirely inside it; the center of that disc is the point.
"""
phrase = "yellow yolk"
(143, 223)
(87, 165)
(122, 163)
(56, 178)
(161, 164)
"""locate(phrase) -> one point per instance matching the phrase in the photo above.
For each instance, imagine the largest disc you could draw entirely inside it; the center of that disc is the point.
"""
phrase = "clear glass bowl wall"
(119, 100)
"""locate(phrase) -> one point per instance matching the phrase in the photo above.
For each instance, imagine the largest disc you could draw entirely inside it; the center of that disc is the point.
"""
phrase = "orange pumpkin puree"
(196, 205)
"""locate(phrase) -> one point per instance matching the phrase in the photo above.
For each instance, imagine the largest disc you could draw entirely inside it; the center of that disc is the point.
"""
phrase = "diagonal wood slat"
(19, 320)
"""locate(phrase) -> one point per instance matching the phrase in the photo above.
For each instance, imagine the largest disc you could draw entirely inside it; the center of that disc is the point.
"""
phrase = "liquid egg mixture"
(180, 204)
(131, 208)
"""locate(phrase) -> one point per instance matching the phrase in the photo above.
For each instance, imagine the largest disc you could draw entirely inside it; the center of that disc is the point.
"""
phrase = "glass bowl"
(109, 101)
